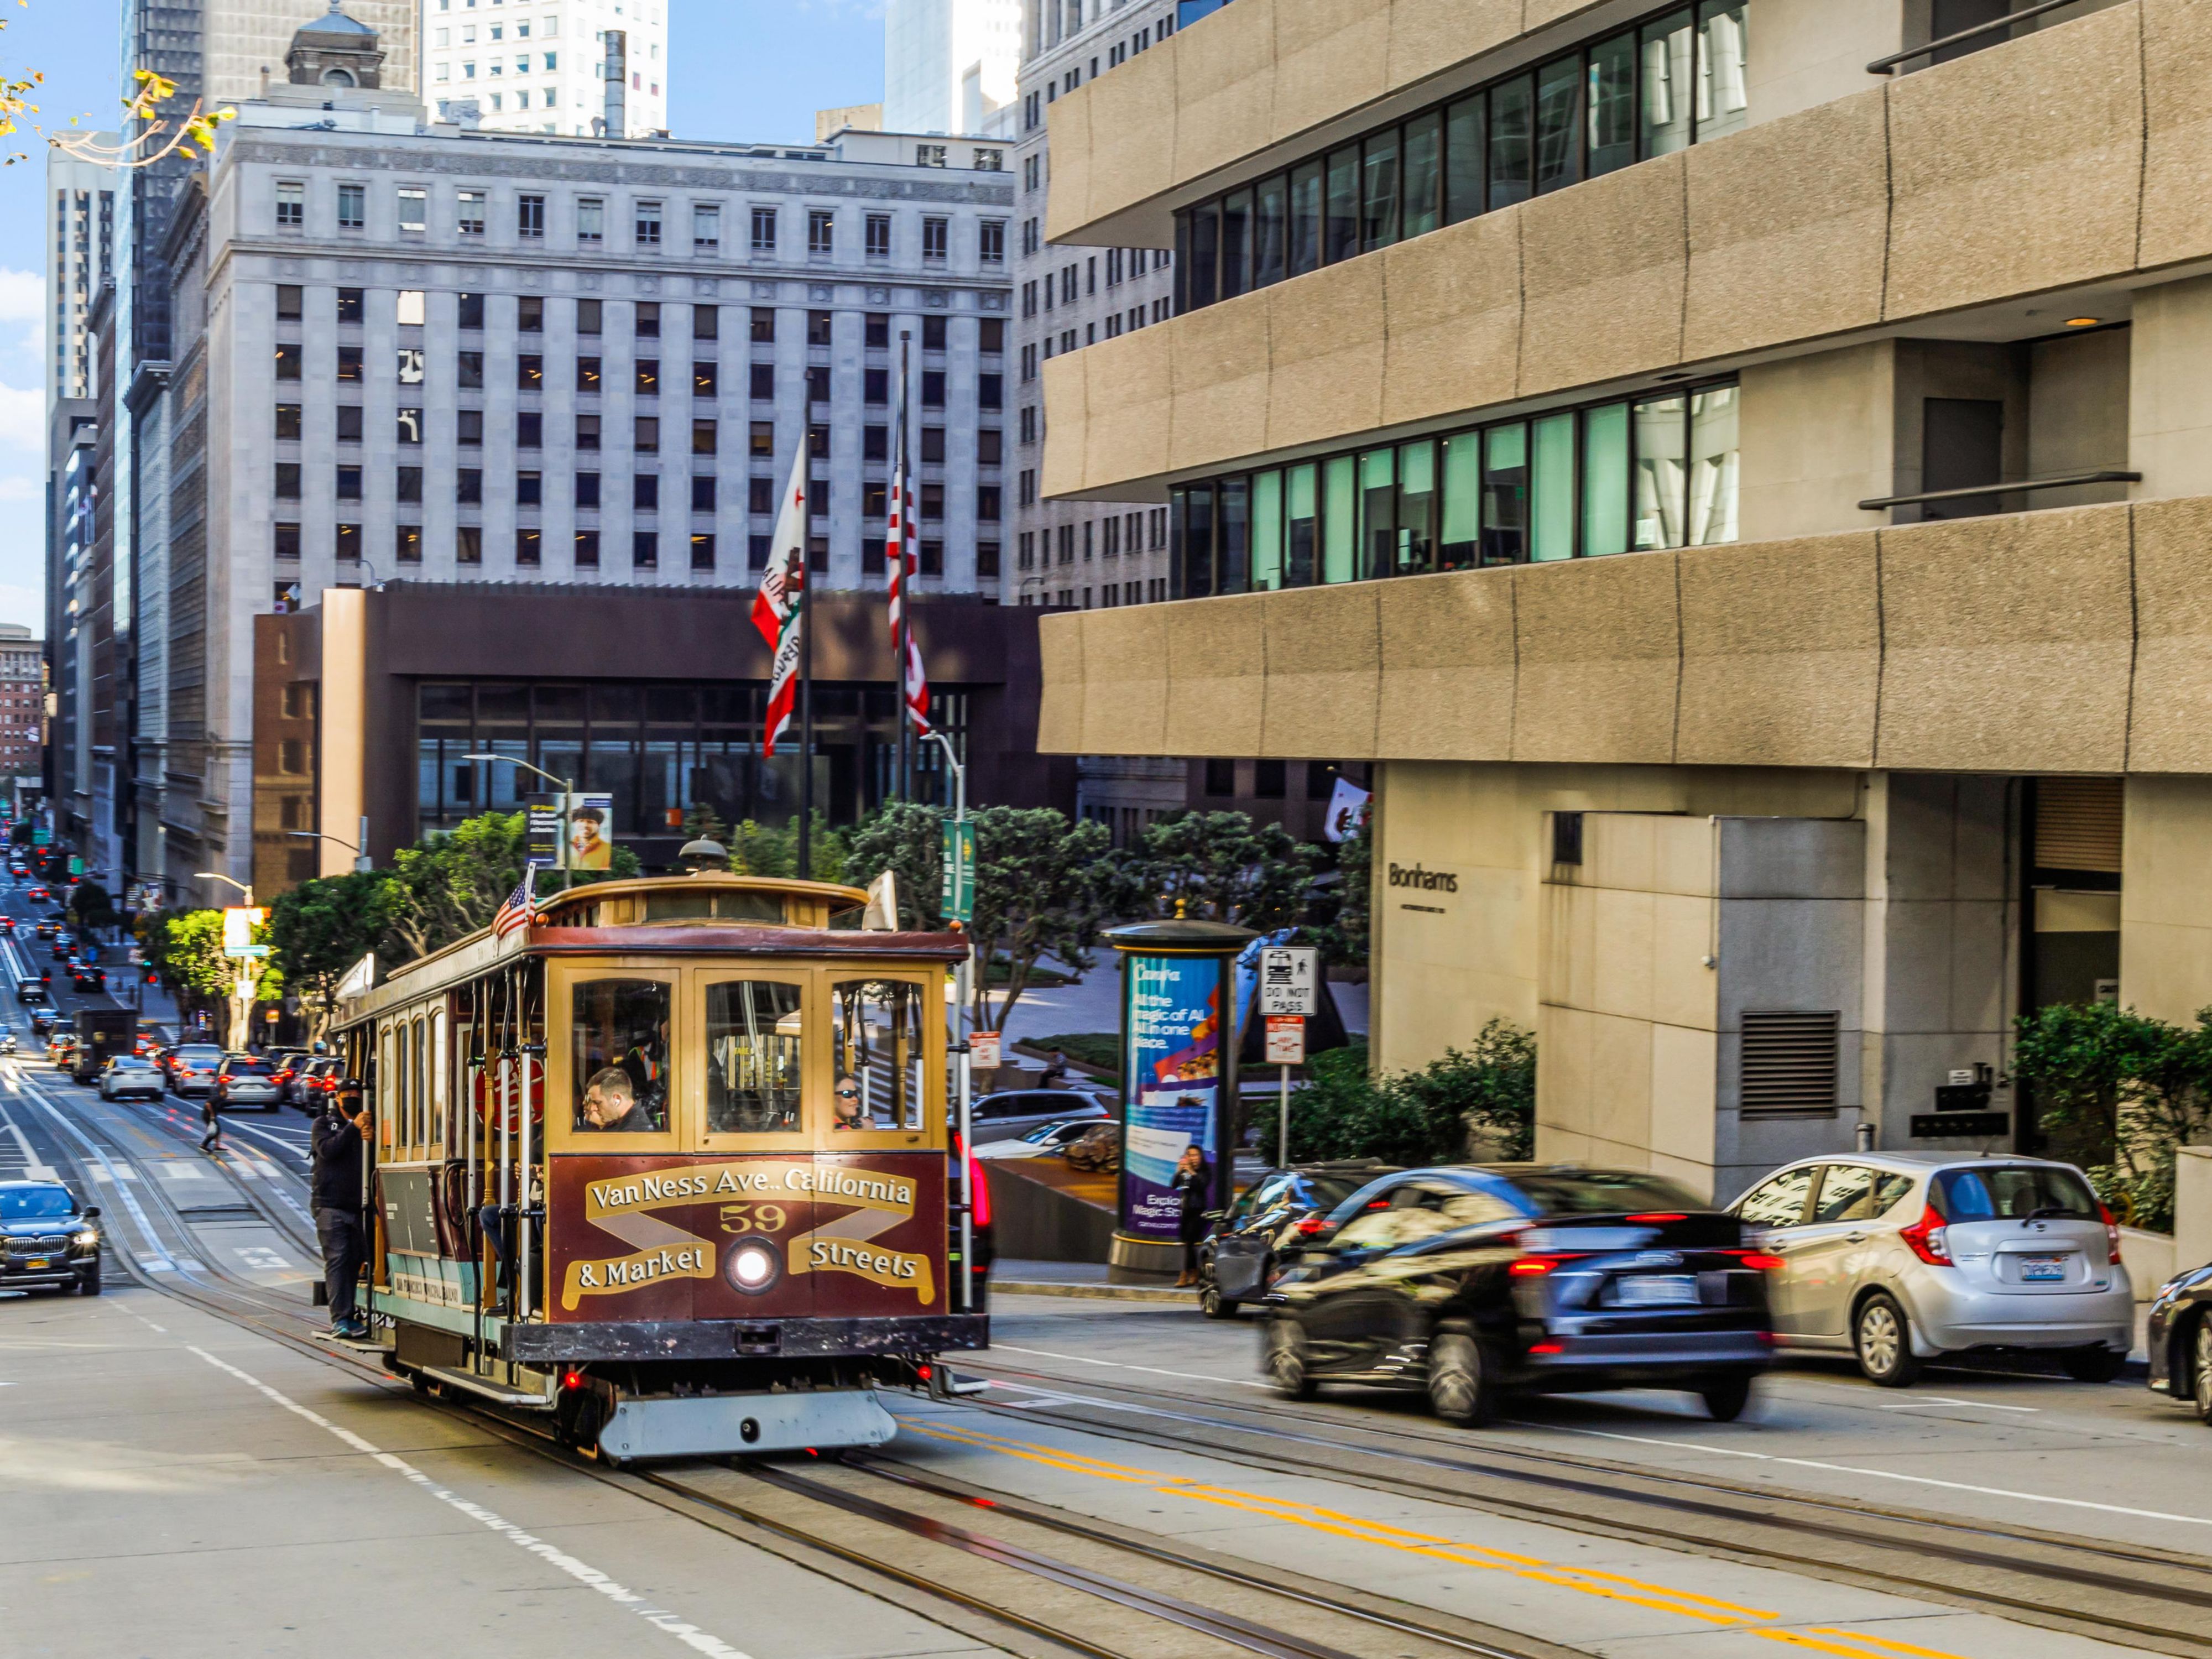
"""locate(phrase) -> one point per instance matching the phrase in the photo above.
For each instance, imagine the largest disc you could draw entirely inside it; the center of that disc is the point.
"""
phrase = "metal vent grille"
(2077, 824)
(1789, 1063)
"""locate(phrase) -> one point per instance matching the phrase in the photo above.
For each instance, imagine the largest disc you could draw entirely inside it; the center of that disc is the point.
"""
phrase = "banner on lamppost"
(1173, 1085)
(590, 817)
(958, 898)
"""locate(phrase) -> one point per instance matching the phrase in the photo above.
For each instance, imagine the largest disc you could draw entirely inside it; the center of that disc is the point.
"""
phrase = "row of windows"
(1108, 596)
(592, 377)
(586, 545)
(1675, 80)
(348, 483)
(1639, 474)
(649, 222)
(1142, 529)
(529, 428)
(410, 308)
(1080, 277)
(1045, 30)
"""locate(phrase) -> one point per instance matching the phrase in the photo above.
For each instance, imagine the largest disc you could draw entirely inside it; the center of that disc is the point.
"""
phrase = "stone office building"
(410, 351)
(1742, 475)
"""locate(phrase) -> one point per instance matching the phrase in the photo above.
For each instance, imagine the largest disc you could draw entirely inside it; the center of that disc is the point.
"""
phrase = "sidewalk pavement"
(1083, 1279)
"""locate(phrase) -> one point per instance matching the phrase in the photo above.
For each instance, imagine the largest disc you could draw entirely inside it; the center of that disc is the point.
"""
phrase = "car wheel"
(1211, 1302)
(2203, 1379)
(1287, 1359)
(2094, 1364)
(1882, 1337)
(1459, 1382)
(1726, 1399)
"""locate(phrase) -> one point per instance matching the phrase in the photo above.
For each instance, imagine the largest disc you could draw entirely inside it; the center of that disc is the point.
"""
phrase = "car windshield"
(35, 1203)
(245, 1064)
(1602, 1192)
(130, 1063)
(1327, 1191)
(203, 1056)
(2016, 1191)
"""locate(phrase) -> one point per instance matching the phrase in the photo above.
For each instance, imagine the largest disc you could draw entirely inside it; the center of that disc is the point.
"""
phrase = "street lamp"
(359, 849)
(240, 981)
(218, 875)
(567, 789)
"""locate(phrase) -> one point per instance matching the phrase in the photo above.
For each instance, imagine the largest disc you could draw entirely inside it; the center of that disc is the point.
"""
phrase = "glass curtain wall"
(1675, 79)
(1645, 473)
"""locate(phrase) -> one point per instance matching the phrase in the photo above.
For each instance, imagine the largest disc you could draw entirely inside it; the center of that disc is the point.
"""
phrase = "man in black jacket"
(338, 1137)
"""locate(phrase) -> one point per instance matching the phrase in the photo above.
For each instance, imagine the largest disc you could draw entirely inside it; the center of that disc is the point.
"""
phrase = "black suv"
(48, 1241)
(1237, 1260)
(1474, 1283)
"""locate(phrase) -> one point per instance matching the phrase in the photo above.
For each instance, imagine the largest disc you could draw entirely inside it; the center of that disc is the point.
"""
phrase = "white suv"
(1898, 1257)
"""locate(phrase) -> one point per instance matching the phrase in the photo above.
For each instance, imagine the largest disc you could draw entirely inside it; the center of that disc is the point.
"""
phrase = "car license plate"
(38, 1263)
(1656, 1290)
(2042, 1269)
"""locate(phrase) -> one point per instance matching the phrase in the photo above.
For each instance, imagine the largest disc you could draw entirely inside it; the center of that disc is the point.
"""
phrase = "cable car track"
(2042, 1556)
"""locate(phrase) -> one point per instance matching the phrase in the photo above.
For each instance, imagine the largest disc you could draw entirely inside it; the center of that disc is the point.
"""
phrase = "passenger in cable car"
(849, 1113)
(611, 1104)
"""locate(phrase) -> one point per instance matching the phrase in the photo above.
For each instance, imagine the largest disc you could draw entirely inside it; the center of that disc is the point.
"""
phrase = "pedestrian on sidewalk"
(335, 1189)
(1194, 1185)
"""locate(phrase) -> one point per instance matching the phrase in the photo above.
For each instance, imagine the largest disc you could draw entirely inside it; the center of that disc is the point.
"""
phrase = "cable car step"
(725, 1425)
(499, 1393)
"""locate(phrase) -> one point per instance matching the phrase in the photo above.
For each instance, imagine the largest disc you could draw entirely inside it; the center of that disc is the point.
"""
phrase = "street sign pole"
(1290, 980)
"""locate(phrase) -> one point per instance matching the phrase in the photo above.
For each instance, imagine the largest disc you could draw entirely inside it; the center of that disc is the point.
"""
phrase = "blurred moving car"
(1898, 1257)
(1237, 1260)
(31, 993)
(192, 1067)
(318, 1081)
(286, 1066)
(50, 1240)
(1474, 1284)
(1040, 1142)
(2180, 1340)
(246, 1080)
(127, 1075)
(1013, 1113)
(86, 977)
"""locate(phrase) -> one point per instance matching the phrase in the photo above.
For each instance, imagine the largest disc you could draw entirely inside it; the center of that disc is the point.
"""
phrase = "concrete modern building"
(415, 351)
(82, 205)
(949, 65)
(1741, 477)
(543, 65)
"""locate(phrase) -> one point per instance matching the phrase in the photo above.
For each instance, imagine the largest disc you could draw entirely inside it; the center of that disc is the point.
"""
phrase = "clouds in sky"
(23, 446)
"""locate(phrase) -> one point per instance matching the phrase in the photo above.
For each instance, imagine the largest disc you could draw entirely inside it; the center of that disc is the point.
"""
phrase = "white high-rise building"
(541, 65)
(950, 65)
(81, 206)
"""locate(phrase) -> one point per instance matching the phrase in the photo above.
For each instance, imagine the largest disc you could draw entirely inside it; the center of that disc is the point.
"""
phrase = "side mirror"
(90, 1212)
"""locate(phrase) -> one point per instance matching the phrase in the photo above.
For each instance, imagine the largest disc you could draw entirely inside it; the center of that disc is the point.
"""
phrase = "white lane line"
(1892, 1474)
(1940, 1400)
(1115, 1364)
(161, 1262)
(34, 1168)
(661, 1619)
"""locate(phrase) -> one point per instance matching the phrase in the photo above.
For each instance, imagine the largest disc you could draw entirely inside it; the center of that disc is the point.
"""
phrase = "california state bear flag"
(779, 608)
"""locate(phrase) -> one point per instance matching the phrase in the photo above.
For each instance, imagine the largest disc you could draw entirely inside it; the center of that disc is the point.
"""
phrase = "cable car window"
(755, 1029)
(618, 1064)
(879, 1077)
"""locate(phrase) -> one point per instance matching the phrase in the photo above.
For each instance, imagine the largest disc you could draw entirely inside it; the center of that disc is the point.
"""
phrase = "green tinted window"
(1266, 531)
(1551, 488)
(1339, 520)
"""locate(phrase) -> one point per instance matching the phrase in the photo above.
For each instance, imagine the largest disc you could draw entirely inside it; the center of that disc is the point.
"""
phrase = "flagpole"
(905, 786)
(805, 704)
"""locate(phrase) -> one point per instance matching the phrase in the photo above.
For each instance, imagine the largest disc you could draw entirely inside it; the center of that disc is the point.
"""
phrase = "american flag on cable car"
(903, 558)
(517, 911)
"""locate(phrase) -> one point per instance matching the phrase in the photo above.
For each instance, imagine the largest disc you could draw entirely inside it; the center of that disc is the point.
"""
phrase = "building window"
(468, 487)
(288, 421)
(408, 364)
(648, 377)
(407, 484)
(648, 219)
(645, 549)
(353, 207)
(286, 545)
(468, 212)
(702, 551)
(468, 427)
(990, 160)
(530, 371)
(763, 230)
(527, 543)
(648, 324)
(645, 434)
(763, 325)
(413, 208)
(291, 359)
(529, 489)
(468, 370)
(529, 314)
(587, 375)
(936, 238)
(821, 233)
(932, 388)
(879, 236)
(987, 503)
(706, 322)
(470, 311)
(530, 217)
(588, 490)
(932, 502)
(407, 544)
(761, 440)
(409, 426)
(703, 492)
(287, 481)
(645, 492)
(704, 378)
(932, 561)
(990, 390)
(291, 205)
(760, 495)
(587, 550)
(1221, 779)
(705, 229)
(929, 156)
(703, 437)
(764, 383)
(468, 545)
(345, 544)
(991, 241)
(590, 219)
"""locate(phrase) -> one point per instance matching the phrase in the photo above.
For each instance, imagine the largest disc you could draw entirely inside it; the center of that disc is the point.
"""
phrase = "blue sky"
(740, 69)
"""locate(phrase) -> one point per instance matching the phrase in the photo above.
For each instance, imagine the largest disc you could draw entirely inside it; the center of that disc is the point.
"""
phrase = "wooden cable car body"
(610, 1179)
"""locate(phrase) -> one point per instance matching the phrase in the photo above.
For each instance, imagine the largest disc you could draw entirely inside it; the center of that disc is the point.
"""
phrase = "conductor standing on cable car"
(338, 1138)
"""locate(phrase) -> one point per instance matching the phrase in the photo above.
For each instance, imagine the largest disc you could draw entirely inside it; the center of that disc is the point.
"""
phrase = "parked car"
(1474, 1284)
(2180, 1340)
(286, 1065)
(192, 1067)
(1013, 1113)
(51, 1241)
(319, 1081)
(1898, 1257)
(1043, 1142)
(1237, 1260)
(127, 1074)
(247, 1080)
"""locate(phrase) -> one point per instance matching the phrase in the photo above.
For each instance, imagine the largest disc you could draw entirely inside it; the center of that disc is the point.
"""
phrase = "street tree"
(186, 948)
(1221, 867)
(321, 928)
(454, 881)
(1043, 886)
(908, 839)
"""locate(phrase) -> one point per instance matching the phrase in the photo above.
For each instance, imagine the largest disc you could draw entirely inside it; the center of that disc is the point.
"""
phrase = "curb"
(1102, 1293)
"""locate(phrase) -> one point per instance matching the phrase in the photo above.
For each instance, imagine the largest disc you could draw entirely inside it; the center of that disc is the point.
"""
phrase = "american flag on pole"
(779, 607)
(904, 556)
(516, 912)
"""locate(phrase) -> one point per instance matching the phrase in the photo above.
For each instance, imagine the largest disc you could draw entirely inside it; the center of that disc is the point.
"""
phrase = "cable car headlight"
(752, 1267)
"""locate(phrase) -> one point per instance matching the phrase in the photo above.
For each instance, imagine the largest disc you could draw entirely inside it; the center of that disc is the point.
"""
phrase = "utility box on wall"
(1699, 993)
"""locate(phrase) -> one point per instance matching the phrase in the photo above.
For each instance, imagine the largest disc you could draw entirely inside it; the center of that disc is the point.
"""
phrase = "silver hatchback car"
(1898, 1257)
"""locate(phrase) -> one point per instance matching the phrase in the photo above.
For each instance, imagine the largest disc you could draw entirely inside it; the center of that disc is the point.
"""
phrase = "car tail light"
(979, 1190)
(1548, 1347)
(1760, 1262)
(1535, 1267)
(1928, 1238)
(2111, 1238)
(1658, 1219)
(1308, 1225)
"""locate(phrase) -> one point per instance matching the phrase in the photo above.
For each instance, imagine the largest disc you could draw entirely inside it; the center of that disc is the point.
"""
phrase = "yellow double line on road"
(1588, 1581)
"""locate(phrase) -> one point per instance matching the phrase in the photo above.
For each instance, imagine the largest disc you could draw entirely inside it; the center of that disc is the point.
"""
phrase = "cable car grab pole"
(961, 981)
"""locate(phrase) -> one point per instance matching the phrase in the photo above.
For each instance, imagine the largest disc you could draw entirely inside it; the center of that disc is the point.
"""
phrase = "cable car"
(669, 1161)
